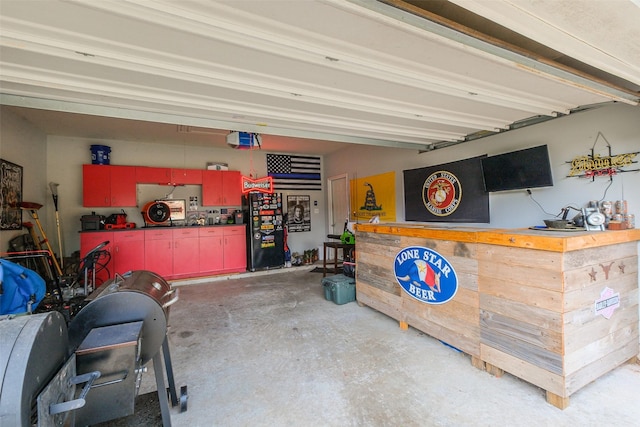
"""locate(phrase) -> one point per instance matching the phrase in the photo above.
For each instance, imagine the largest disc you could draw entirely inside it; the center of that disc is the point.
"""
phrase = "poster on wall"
(10, 196)
(450, 192)
(373, 195)
(299, 213)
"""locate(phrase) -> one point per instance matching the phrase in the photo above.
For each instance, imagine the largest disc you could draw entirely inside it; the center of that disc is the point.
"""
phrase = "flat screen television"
(528, 168)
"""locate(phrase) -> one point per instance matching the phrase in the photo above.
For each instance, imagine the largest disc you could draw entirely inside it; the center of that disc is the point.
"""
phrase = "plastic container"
(100, 154)
(339, 289)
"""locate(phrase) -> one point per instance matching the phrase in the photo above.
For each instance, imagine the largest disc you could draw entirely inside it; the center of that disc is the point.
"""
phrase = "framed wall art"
(10, 196)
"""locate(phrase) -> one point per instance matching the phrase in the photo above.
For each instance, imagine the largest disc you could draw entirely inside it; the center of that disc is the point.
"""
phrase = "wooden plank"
(522, 369)
(545, 319)
(377, 276)
(603, 254)
(529, 295)
(457, 334)
(556, 241)
(381, 301)
(493, 324)
(602, 272)
(576, 380)
(456, 309)
(507, 275)
(625, 338)
(557, 401)
(587, 296)
(583, 326)
(458, 234)
(519, 256)
(526, 351)
(476, 362)
(494, 370)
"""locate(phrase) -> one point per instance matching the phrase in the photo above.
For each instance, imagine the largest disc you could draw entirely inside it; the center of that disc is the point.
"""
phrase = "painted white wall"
(67, 155)
(21, 143)
(566, 137)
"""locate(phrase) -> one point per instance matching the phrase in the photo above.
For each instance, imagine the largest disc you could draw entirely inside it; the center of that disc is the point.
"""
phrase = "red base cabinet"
(88, 242)
(172, 253)
(158, 251)
(211, 250)
(127, 250)
(235, 248)
(186, 252)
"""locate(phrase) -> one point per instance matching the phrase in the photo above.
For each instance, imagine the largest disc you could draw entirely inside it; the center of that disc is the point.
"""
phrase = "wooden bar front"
(525, 302)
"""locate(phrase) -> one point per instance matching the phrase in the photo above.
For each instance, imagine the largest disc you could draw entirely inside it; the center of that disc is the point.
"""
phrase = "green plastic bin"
(339, 289)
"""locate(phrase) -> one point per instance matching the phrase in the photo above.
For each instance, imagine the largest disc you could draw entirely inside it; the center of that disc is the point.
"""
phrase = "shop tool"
(33, 210)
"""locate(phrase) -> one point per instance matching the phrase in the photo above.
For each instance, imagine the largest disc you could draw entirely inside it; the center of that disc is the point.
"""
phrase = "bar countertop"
(536, 238)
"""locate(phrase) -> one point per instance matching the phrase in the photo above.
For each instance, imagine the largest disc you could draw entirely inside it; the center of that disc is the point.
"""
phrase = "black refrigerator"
(265, 231)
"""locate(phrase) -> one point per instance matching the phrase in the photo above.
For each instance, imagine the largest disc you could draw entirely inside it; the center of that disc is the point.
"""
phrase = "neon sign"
(259, 185)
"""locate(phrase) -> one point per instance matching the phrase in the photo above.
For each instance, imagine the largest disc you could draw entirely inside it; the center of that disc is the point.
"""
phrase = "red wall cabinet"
(186, 176)
(186, 251)
(105, 186)
(151, 175)
(221, 188)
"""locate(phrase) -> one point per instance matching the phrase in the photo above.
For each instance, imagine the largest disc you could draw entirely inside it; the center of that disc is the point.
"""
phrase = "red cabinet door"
(186, 176)
(186, 251)
(158, 251)
(235, 248)
(105, 185)
(128, 251)
(231, 188)
(211, 254)
(96, 186)
(151, 175)
(104, 267)
(211, 188)
(123, 185)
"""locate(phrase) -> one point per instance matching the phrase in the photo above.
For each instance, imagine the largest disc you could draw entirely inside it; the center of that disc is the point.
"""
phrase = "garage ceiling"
(418, 74)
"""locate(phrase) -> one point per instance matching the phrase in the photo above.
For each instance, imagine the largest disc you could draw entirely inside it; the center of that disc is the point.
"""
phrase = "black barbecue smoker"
(90, 371)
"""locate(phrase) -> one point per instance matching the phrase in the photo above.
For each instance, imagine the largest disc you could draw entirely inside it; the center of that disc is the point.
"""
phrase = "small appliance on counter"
(92, 222)
(118, 221)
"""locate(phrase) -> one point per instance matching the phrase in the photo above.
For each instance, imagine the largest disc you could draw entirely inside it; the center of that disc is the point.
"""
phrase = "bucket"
(100, 154)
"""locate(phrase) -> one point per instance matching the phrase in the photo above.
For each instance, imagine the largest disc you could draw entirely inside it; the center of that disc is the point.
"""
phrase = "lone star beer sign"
(260, 185)
(425, 275)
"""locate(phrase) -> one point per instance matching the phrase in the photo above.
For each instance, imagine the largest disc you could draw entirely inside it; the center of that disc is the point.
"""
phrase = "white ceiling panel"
(358, 71)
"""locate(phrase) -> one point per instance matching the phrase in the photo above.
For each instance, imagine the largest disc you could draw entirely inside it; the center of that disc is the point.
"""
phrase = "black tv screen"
(528, 168)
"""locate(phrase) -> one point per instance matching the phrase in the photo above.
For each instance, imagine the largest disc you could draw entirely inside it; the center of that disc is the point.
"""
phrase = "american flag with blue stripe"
(292, 172)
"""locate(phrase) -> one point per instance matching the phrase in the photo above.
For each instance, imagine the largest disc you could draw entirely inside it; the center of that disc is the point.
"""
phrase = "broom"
(54, 193)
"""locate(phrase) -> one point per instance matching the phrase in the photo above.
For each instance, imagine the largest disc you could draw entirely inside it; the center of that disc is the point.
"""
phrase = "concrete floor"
(269, 350)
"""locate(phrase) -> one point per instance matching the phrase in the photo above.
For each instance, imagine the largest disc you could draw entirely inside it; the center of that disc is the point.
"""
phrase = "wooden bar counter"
(526, 299)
